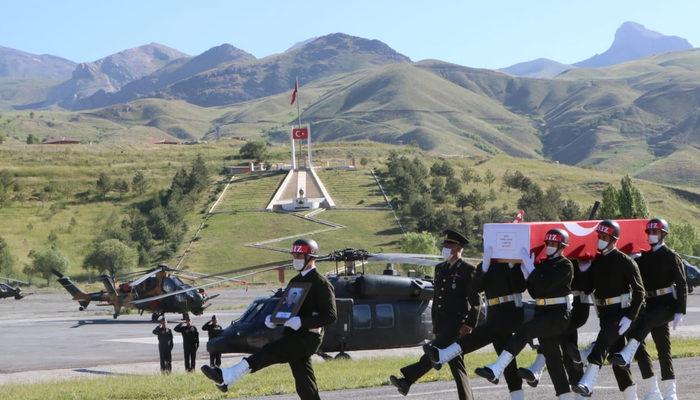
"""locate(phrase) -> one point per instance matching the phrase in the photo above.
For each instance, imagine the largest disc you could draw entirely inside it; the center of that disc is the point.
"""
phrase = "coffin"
(508, 239)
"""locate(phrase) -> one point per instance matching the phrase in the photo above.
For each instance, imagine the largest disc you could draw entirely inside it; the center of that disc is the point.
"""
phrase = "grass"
(334, 375)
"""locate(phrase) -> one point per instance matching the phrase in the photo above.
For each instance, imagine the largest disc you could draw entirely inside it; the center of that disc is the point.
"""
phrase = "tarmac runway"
(44, 336)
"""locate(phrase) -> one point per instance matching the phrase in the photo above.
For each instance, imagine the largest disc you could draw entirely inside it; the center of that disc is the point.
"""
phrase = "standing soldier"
(617, 285)
(165, 346)
(664, 280)
(302, 334)
(502, 285)
(190, 342)
(454, 314)
(213, 329)
(549, 283)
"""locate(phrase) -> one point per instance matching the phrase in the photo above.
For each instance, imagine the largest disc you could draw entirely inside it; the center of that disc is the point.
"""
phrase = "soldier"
(165, 346)
(549, 283)
(302, 334)
(502, 285)
(619, 295)
(663, 275)
(454, 314)
(213, 329)
(190, 342)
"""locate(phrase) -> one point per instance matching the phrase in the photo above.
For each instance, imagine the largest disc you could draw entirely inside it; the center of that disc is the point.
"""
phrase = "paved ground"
(44, 337)
(686, 371)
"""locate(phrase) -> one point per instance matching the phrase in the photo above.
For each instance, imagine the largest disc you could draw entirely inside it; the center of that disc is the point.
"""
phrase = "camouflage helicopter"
(6, 290)
(141, 293)
(374, 311)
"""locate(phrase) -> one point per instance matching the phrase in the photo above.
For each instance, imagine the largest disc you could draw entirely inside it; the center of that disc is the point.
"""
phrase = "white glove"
(269, 323)
(528, 261)
(624, 325)
(584, 265)
(677, 320)
(294, 323)
(636, 255)
(486, 261)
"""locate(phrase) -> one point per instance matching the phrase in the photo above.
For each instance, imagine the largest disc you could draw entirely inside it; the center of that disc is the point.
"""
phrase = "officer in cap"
(663, 275)
(302, 334)
(165, 345)
(615, 280)
(214, 330)
(190, 342)
(455, 312)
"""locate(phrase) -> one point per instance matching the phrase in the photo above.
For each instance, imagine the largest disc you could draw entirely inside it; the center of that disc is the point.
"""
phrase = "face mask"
(446, 253)
(602, 244)
(551, 250)
(298, 264)
(653, 239)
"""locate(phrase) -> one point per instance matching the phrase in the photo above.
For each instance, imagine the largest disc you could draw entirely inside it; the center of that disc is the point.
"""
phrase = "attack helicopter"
(139, 293)
(6, 290)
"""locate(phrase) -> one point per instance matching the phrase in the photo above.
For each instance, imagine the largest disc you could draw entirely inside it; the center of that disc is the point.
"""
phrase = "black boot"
(214, 373)
(401, 384)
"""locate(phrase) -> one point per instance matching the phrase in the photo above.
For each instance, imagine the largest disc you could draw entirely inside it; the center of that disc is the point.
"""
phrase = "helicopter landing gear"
(342, 356)
(115, 315)
(325, 356)
(81, 308)
(185, 315)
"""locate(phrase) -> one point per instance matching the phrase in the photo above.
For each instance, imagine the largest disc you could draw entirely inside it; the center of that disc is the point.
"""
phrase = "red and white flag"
(519, 217)
(300, 133)
(296, 89)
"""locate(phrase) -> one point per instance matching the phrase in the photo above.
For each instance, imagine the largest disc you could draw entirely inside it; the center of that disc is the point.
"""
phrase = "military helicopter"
(374, 311)
(139, 293)
(9, 291)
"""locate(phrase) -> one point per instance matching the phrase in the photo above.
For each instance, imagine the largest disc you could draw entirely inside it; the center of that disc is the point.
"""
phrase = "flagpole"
(299, 115)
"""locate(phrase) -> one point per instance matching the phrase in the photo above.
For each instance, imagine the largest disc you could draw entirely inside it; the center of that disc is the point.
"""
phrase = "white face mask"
(446, 253)
(298, 264)
(653, 239)
(602, 244)
(551, 250)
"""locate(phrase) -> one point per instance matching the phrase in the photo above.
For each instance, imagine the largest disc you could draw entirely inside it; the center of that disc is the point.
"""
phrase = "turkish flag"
(296, 89)
(300, 133)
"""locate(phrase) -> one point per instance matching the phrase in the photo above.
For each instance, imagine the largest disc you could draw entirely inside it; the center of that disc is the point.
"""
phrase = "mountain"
(539, 68)
(109, 74)
(633, 41)
(175, 71)
(16, 64)
(322, 57)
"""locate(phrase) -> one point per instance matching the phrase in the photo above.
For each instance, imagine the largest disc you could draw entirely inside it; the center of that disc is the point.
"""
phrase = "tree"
(199, 175)
(476, 200)
(489, 177)
(419, 243)
(683, 239)
(609, 206)
(255, 150)
(467, 175)
(6, 260)
(571, 211)
(7, 184)
(452, 185)
(437, 189)
(121, 186)
(103, 184)
(363, 161)
(139, 183)
(45, 260)
(462, 201)
(516, 180)
(111, 256)
(442, 168)
(631, 202)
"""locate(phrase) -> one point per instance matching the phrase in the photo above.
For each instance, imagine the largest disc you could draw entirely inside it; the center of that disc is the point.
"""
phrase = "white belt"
(552, 301)
(625, 300)
(660, 292)
(585, 298)
(516, 297)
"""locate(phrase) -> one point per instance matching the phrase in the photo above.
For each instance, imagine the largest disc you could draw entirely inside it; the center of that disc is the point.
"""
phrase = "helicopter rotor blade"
(396, 258)
(232, 279)
(154, 272)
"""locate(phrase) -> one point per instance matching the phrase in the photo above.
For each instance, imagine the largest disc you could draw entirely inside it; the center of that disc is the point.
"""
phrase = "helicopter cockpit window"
(385, 315)
(361, 316)
(149, 284)
(168, 285)
(252, 311)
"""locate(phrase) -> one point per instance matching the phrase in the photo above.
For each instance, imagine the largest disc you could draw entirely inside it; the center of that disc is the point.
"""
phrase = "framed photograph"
(290, 302)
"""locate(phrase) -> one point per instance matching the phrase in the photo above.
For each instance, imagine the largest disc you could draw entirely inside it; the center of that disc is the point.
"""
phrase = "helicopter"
(374, 311)
(139, 293)
(9, 291)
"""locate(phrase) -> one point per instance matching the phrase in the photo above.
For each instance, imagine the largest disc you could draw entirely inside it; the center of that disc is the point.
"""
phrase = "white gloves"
(486, 261)
(269, 323)
(677, 319)
(584, 265)
(624, 325)
(294, 323)
(528, 264)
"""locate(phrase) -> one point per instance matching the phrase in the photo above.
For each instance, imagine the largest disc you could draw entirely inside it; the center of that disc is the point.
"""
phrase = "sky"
(488, 34)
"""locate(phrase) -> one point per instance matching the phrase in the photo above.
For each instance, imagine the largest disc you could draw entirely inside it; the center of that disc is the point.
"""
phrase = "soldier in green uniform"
(455, 312)
(214, 330)
(302, 334)
(165, 346)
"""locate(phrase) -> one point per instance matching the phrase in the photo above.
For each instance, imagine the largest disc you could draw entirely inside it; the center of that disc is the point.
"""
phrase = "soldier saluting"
(614, 279)
(165, 346)
(190, 342)
(455, 312)
(214, 330)
(302, 334)
(663, 275)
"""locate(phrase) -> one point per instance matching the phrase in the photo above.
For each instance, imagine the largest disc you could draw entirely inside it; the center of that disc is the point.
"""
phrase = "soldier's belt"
(500, 300)
(552, 301)
(622, 299)
(660, 292)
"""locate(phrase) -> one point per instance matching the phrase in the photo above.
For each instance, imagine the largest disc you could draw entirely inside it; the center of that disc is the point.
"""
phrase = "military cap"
(452, 236)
